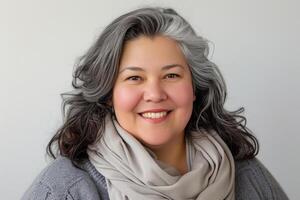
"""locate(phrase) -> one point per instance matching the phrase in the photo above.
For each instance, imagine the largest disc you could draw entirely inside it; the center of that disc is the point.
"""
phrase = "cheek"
(183, 95)
(125, 99)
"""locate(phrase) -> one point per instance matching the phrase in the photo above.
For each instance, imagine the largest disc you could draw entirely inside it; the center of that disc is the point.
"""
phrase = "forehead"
(155, 51)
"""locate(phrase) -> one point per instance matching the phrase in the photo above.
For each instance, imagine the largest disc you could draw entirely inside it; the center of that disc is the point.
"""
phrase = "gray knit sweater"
(61, 180)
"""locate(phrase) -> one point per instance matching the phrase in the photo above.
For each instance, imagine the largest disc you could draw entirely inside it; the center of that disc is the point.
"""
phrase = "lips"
(155, 115)
(155, 110)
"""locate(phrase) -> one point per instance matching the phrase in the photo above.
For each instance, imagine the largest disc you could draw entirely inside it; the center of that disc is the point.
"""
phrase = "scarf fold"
(133, 172)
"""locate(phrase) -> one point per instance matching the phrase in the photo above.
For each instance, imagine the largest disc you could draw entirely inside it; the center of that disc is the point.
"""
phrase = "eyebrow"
(164, 68)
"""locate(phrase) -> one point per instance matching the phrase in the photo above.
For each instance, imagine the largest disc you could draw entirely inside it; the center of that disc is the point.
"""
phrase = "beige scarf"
(133, 173)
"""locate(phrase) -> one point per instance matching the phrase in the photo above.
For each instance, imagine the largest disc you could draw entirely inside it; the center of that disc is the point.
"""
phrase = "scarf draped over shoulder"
(133, 172)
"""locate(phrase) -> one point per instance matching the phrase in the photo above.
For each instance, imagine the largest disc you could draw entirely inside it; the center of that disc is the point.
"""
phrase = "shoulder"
(62, 180)
(254, 181)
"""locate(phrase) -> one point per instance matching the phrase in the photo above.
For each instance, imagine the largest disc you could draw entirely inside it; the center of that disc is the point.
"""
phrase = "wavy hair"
(84, 108)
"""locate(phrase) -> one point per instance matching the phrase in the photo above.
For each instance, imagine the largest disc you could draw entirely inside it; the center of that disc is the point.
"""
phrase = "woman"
(147, 121)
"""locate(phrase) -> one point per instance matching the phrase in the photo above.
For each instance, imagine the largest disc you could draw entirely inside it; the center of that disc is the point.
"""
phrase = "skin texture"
(153, 74)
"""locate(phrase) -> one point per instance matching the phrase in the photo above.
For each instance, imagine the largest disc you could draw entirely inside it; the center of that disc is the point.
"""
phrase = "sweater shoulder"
(61, 171)
(62, 180)
(254, 181)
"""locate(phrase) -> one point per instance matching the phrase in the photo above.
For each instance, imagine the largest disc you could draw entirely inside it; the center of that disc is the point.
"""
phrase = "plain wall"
(255, 43)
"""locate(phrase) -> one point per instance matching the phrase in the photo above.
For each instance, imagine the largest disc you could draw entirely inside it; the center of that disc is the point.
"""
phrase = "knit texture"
(61, 180)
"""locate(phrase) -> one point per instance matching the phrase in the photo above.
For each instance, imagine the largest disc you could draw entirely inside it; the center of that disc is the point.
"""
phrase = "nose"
(154, 92)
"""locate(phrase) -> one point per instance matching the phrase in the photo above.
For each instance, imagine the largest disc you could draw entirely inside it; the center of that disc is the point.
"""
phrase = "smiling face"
(153, 94)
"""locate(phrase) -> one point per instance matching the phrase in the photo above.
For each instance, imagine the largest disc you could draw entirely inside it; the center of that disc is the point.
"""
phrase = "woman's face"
(153, 95)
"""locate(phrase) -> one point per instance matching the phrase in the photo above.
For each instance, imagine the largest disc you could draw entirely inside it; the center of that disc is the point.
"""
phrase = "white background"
(256, 46)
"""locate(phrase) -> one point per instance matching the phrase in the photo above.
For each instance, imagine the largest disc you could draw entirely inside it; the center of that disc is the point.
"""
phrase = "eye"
(172, 76)
(134, 78)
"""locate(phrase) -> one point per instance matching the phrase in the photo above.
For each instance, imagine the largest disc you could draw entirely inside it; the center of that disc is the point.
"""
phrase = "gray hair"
(96, 73)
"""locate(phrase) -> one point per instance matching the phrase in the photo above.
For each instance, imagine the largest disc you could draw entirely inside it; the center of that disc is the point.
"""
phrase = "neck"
(173, 154)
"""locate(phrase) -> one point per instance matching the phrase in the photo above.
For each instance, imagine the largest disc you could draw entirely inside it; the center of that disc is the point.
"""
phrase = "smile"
(156, 115)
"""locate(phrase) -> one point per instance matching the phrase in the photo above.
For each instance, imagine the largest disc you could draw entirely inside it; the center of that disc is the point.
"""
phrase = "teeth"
(154, 115)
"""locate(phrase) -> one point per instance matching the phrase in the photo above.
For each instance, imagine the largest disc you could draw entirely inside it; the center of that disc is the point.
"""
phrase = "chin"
(156, 142)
